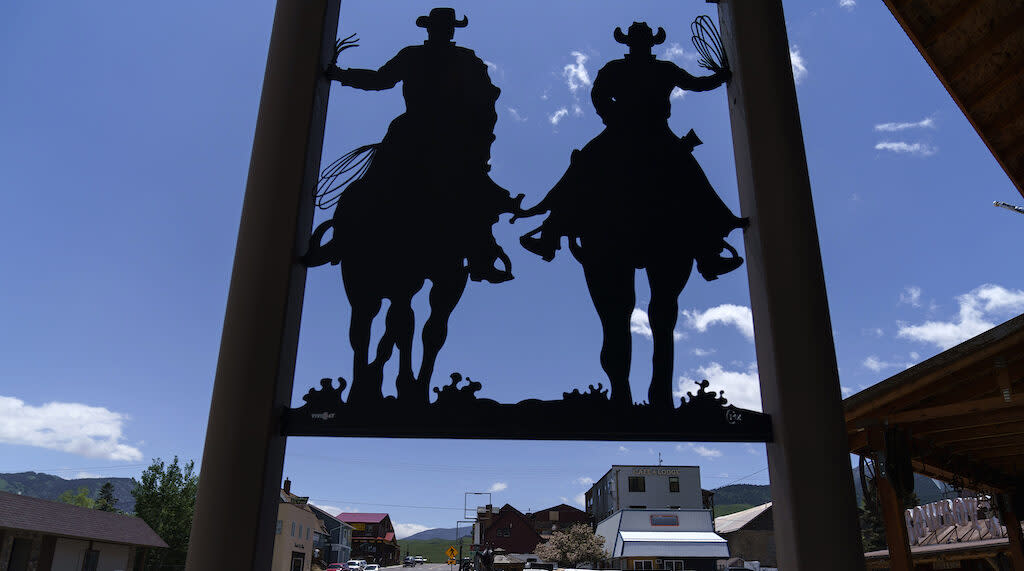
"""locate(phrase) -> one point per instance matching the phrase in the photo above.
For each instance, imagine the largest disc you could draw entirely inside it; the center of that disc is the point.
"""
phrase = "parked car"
(355, 564)
(421, 559)
(337, 567)
(372, 567)
(409, 561)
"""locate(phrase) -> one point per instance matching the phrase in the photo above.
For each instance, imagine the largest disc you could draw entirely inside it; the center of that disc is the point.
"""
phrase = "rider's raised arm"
(687, 82)
(368, 79)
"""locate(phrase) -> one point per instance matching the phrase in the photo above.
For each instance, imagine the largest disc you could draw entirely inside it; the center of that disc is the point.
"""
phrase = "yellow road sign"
(451, 562)
(451, 552)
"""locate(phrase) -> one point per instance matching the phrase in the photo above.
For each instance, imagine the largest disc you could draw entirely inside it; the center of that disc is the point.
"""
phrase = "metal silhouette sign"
(420, 206)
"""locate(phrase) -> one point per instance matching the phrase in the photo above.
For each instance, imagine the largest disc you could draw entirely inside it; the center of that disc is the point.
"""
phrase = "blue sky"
(125, 145)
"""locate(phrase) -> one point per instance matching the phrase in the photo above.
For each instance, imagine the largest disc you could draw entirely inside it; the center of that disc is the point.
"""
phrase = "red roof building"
(373, 537)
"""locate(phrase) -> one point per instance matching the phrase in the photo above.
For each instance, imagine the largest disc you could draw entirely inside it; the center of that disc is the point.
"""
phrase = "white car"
(354, 563)
(372, 567)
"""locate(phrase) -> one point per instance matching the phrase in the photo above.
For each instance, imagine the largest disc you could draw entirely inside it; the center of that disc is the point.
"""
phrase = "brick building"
(373, 537)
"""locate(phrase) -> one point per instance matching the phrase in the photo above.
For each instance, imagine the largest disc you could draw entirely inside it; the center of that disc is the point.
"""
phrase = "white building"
(655, 517)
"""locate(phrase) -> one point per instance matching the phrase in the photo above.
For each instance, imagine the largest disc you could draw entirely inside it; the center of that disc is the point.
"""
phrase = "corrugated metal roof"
(735, 521)
(65, 520)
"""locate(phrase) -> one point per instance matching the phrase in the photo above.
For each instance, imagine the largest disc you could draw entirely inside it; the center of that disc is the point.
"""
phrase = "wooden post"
(815, 510)
(1011, 520)
(896, 537)
(240, 477)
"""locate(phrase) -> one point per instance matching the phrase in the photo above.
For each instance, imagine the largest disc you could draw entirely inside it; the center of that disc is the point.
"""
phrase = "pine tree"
(106, 501)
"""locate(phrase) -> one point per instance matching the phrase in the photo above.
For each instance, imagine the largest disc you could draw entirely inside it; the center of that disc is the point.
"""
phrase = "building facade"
(43, 535)
(336, 546)
(672, 539)
(559, 517)
(645, 487)
(751, 534)
(297, 530)
(373, 537)
(506, 528)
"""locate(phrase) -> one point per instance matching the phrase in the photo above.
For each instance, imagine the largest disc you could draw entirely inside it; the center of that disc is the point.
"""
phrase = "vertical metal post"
(814, 508)
(244, 453)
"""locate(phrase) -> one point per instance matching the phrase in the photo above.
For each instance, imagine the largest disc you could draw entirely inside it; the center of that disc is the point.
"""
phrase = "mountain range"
(50, 487)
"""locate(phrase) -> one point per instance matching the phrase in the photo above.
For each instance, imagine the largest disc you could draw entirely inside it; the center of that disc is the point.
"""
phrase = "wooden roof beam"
(938, 425)
(985, 443)
(957, 409)
(947, 22)
(1001, 452)
(976, 432)
(1003, 29)
(1011, 71)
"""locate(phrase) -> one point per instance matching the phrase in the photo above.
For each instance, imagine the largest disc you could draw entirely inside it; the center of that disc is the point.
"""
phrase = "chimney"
(287, 486)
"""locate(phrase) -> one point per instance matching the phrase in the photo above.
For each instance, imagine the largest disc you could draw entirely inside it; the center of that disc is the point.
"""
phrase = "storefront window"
(673, 483)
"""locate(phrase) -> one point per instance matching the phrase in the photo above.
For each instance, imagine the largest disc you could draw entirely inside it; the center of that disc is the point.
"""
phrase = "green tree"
(872, 526)
(106, 501)
(80, 499)
(165, 498)
(573, 546)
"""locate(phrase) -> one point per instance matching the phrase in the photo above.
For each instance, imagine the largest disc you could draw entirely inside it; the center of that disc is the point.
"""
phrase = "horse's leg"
(667, 282)
(611, 289)
(365, 304)
(402, 323)
(445, 292)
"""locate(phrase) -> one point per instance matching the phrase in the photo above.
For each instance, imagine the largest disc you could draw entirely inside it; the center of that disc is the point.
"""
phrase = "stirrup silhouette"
(712, 267)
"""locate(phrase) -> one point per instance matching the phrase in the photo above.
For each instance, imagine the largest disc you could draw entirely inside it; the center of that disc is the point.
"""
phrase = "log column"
(1011, 519)
(815, 510)
(239, 480)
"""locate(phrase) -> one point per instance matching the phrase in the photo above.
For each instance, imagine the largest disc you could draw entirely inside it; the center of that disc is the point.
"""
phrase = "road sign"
(451, 562)
(451, 552)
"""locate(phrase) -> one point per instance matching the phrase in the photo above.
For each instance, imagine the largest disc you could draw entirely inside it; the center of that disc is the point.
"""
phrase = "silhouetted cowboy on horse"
(634, 197)
(422, 210)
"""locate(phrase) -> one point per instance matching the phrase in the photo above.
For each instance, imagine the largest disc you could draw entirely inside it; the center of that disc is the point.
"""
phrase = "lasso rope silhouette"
(708, 43)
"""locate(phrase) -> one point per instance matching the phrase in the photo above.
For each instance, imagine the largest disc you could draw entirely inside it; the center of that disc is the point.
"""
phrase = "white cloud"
(700, 450)
(515, 114)
(557, 116)
(977, 308)
(703, 352)
(81, 475)
(752, 450)
(333, 510)
(877, 365)
(90, 431)
(403, 530)
(848, 4)
(926, 123)
(498, 487)
(577, 110)
(741, 387)
(584, 481)
(640, 324)
(575, 74)
(847, 391)
(904, 147)
(915, 355)
(623, 449)
(799, 65)
(911, 295)
(678, 53)
(579, 499)
(738, 316)
(677, 93)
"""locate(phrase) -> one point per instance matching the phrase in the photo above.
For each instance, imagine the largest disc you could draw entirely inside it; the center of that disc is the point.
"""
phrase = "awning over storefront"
(664, 544)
